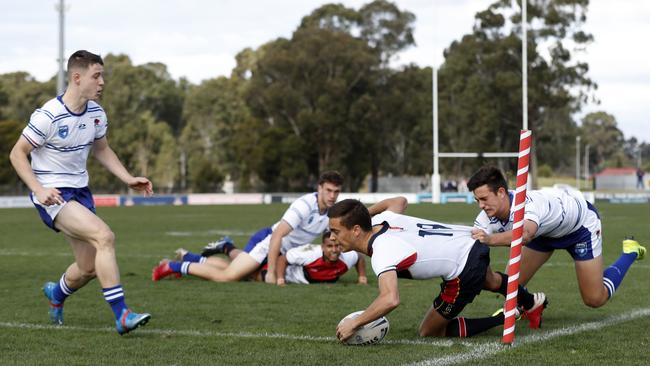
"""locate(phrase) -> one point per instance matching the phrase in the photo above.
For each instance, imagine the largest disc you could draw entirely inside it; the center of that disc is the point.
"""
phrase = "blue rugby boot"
(129, 321)
(55, 308)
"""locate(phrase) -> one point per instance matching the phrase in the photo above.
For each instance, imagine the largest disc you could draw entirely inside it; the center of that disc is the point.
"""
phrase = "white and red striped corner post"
(525, 140)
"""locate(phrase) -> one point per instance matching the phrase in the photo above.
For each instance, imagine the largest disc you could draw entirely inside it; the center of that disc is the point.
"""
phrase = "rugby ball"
(371, 333)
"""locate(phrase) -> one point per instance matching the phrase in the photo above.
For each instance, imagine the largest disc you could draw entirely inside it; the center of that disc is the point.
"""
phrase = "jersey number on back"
(433, 229)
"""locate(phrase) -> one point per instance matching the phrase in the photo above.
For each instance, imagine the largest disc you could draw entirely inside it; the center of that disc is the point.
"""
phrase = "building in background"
(617, 179)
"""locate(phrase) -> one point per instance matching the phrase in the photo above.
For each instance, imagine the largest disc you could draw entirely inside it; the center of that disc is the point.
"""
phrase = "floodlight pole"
(435, 177)
(60, 80)
(577, 162)
(586, 164)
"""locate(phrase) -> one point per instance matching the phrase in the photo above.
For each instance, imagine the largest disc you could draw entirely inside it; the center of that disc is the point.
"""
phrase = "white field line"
(481, 351)
(477, 350)
(203, 333)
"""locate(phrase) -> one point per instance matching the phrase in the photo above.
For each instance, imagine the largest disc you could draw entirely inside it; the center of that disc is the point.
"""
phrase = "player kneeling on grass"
(305, 264)
(410, 247)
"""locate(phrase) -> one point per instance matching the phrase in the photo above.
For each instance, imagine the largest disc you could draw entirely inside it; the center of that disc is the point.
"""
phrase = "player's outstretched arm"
(505, 238)
(281, 270)
(111, 162)
(361, 269)
(283, 229)
(395, 204)
(387, 300)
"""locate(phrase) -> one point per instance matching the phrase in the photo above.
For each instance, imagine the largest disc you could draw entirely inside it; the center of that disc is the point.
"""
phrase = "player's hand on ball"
(345, 330)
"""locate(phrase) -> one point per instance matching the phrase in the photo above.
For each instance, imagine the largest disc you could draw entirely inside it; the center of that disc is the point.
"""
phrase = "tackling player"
(309, 263)
(553, 219)
(304, 220)
(419, 249)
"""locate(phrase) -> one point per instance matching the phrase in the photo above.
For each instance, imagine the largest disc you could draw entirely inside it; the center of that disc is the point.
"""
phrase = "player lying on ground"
(553, 219)
(59, 137)
(419, 249)
(309, 263)
(305, 220)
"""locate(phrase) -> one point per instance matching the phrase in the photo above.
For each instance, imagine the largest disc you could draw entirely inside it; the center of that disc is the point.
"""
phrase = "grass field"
(198, 322)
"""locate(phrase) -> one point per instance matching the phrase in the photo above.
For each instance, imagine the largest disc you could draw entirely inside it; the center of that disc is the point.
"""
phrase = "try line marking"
(204, 333)
(484, 350)
(477, 351)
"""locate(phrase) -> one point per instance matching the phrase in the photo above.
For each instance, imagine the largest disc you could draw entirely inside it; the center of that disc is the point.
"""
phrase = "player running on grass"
(59, 137)
(554, 219)
(414, 248)
(309, 263)
(305, 220)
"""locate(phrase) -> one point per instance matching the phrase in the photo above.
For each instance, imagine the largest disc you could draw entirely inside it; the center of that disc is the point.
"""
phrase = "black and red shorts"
(455, 294)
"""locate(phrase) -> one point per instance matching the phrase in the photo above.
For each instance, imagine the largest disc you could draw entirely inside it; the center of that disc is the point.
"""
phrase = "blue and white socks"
(62, 291)
(613, 275)
(114, 296)
(180, 267)
(194, 258)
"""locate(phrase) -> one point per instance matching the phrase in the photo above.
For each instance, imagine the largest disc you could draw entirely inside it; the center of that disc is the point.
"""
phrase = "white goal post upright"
(435, 176)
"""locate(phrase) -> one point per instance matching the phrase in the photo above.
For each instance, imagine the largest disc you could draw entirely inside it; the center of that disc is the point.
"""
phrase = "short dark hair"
(326, 234)
(331, 176)
(490, 176)
(351, 212)
(83, 59)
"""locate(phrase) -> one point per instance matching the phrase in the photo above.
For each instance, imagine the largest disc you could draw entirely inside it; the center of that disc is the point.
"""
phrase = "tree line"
(329, 98)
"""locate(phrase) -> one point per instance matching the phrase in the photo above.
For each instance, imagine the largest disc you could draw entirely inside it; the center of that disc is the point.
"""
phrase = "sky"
(198, 39)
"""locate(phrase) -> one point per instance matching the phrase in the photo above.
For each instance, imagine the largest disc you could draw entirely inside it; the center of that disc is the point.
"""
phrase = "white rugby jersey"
(424, 248)
(309, 258)
(304, 218)
(62, 141)
(556, 212)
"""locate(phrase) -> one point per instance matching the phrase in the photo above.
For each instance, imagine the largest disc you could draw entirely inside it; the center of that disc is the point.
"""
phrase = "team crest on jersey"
(97, 121)
(581, 249)
(63, 131)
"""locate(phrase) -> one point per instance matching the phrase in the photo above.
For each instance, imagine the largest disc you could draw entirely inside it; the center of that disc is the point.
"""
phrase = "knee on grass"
(593, 301)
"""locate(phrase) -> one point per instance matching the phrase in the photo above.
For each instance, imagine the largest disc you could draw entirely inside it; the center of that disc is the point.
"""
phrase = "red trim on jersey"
(451, 291)
(462, 328)
(406, 263)
(322, 270)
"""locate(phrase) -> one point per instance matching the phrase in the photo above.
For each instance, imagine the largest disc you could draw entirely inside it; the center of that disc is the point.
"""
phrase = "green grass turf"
(198, 322)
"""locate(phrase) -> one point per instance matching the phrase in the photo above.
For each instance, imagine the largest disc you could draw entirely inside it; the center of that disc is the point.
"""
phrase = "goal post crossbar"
(478, 155)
